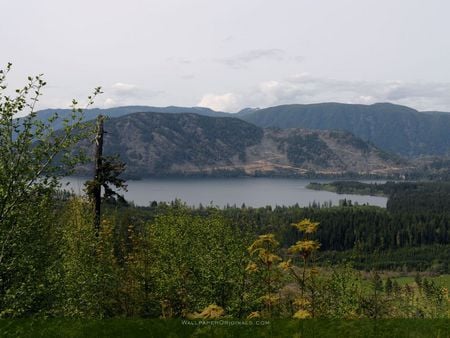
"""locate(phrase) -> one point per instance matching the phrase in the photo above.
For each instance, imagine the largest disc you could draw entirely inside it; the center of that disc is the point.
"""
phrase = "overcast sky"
(228, 55)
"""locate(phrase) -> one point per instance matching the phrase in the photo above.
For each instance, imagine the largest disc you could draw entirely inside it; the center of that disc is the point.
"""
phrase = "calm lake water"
(255, 192)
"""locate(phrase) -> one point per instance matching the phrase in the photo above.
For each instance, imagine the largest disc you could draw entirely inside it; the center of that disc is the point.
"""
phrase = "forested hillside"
(156, 144)
(393, 128)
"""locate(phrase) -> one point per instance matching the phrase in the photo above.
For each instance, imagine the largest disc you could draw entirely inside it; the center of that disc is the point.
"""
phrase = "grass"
(442, 280)
(129, 328)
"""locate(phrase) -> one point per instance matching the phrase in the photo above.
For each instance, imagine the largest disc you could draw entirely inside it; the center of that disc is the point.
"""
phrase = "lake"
(255, 192)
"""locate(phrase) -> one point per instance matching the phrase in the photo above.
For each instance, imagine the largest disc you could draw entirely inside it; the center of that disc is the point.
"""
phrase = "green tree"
(89, 276)
(388, 286)
(196, 261)
(33, 156)
(375, 305)
(341, 294)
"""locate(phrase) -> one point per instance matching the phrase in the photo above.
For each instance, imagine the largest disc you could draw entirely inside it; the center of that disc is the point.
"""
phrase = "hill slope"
(157, 144)
(394, 128)
(92, 113)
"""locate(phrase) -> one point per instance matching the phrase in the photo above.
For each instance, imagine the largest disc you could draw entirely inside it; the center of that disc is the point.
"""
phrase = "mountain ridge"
(393, 128)
(92, 113)
(399, 129)
(159, 144)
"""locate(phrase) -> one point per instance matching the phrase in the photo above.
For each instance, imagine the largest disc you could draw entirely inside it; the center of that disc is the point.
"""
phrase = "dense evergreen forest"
(407, 197)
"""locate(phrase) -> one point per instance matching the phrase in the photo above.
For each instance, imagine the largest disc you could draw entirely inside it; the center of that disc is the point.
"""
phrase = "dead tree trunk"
(97, 187)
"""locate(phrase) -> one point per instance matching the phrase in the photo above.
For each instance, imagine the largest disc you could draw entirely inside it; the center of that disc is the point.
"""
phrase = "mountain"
(245, 111)
(399, 129)
(91, 114)
(158, 144)
(393, 128)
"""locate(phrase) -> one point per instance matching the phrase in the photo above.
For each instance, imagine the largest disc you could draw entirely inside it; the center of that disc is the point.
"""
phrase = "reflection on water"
(255, 192)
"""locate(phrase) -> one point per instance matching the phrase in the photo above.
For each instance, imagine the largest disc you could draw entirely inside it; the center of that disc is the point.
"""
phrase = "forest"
(60, 258)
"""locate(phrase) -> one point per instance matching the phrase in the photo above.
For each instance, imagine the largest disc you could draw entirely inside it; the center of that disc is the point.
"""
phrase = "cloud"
(109, 102)
(125, 88)
(419, 95)
(243, 59)
(120, 94)
(227, 102)
(304, 88)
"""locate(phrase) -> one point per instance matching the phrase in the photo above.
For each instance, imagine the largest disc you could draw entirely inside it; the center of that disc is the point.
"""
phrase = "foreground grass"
(225, 328)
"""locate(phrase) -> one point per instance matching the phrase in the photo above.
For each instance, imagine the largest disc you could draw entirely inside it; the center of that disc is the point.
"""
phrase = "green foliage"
(374, 304)
(32, 158)
(27, 261)
(88, 269)
(388, 286)
(110, 171)
(197, 261)
(353, 187)
(178, 264)
(369, 236)
(420, 197)
(343, 293)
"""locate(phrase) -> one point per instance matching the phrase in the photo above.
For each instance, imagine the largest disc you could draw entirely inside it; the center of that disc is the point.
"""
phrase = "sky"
(233, 54)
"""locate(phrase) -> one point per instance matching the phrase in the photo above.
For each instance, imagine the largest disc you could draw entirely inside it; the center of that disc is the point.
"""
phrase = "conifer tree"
(107, 172)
